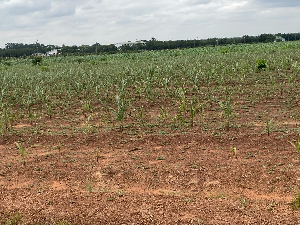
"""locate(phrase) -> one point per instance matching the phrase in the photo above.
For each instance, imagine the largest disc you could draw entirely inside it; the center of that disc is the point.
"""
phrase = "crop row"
(188, 79)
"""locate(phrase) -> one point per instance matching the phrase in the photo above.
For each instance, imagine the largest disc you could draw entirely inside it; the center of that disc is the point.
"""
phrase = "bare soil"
(152, 174)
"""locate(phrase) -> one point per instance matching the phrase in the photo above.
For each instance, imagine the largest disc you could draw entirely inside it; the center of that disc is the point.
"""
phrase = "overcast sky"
(77, 22)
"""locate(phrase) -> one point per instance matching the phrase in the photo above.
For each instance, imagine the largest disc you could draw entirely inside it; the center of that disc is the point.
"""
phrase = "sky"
(78, 22)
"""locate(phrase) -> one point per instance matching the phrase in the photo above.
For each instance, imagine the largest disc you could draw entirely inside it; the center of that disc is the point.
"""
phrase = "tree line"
(24, 50)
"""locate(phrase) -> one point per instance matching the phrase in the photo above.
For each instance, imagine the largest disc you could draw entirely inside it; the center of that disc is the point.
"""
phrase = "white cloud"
(109, 21)
(232, 6)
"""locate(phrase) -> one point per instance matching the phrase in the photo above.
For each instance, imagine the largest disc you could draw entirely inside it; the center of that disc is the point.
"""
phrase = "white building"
(52, 52)
(38, 54)
(129, 43)
(279, 38)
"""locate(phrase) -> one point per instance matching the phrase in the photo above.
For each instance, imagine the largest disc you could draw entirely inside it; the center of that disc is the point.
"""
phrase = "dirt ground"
(152, 174)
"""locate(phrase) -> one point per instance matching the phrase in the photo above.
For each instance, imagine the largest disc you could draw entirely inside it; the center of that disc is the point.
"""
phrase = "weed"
(120, 193)
(89, 186)
(224, 50)
(243, 203)
(271, 206)
(261, 64)
(187, 200)
(161, 158)
(218, 195)
(296, 203)
(111, 199)
(195, 166)
(14, 220)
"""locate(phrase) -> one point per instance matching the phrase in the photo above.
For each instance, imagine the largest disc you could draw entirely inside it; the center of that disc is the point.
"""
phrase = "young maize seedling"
(98, 156)
(49, 110)
(296, 145)
(149, 89)
(87, 126)
(193, 111)
(163, 114)
(86, 108)
(1, 127)
(140, 115)
(183, 101)
(59, 149)
(121, 110)
(226, 106)
(178, 120)
(32, 118)
(122, 88)
(269, 126)
(4, 121)
(3, 124)
(22, 151)
(166, 82)
(233, 150)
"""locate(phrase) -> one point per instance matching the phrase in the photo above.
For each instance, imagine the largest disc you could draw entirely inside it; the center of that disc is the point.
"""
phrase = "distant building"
(52, 52)
(130, 43)
(38, 54)
(279, 39)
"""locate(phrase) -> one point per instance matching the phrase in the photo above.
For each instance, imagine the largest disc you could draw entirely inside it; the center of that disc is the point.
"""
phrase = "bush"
(37, 60)
(261, 64)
